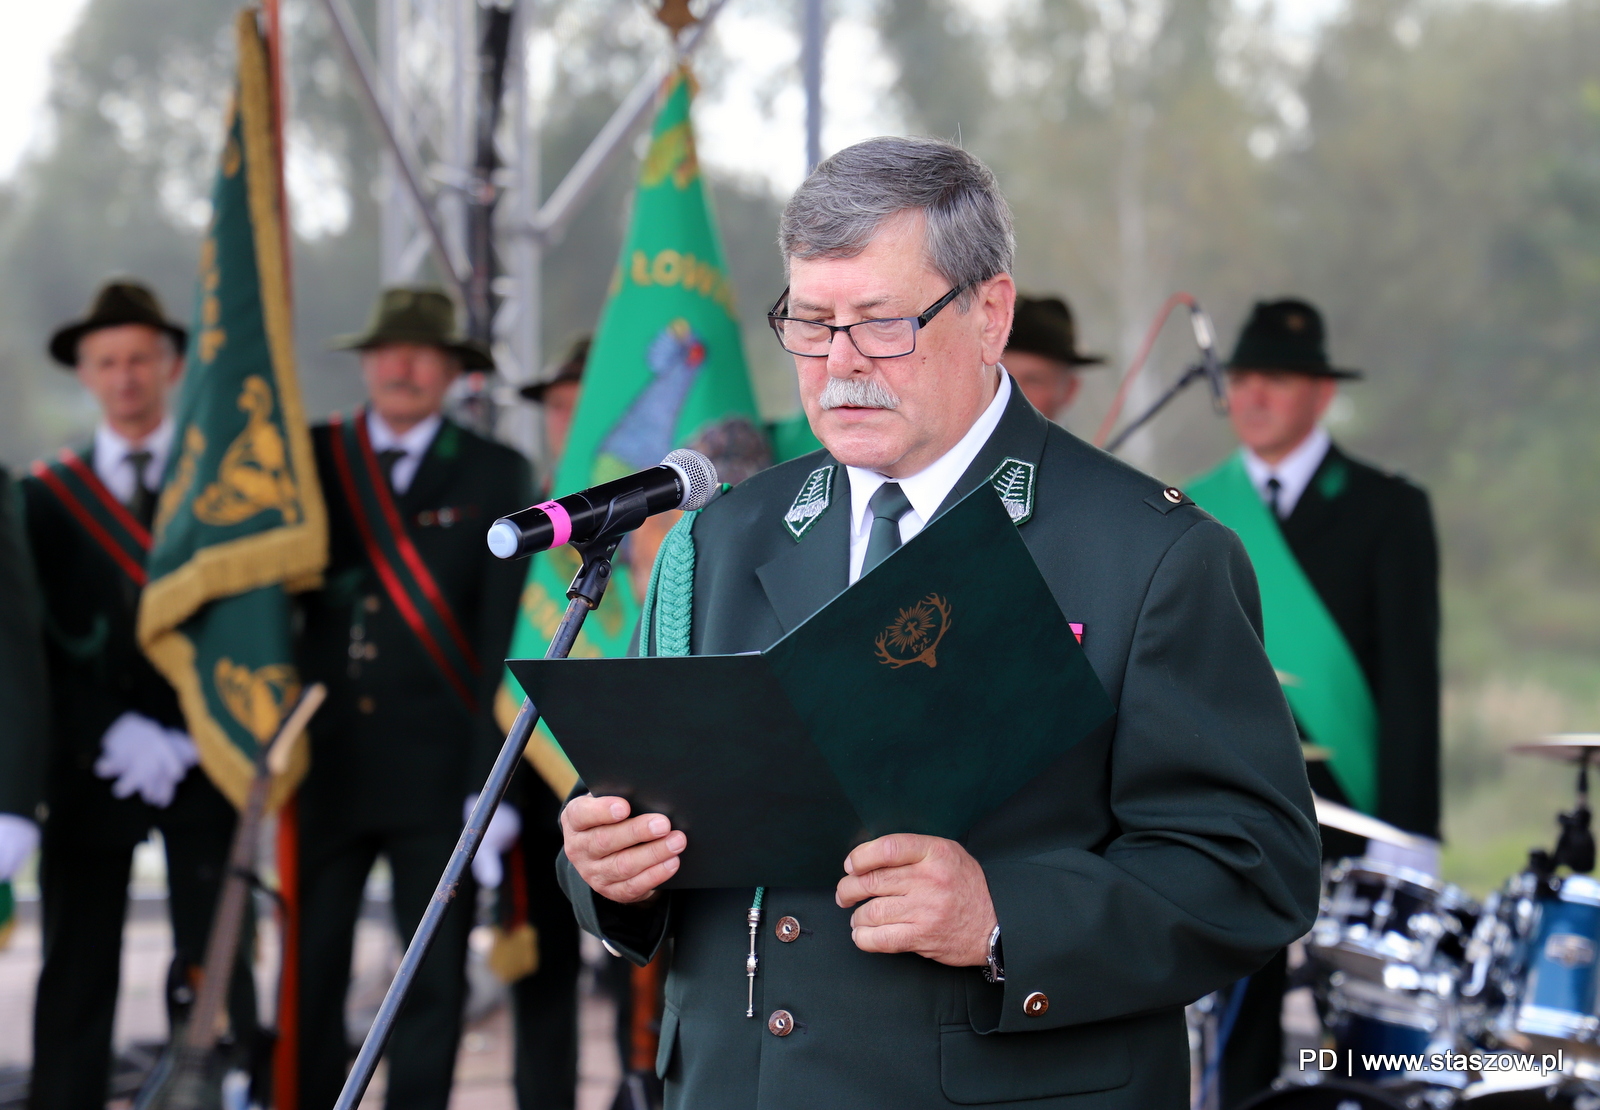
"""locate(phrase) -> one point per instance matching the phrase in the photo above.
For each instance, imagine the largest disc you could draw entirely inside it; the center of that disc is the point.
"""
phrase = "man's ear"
(1327, 390)
(997, 301)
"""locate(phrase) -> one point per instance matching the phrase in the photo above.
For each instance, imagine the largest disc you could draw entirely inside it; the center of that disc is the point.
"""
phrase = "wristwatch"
(995, 970)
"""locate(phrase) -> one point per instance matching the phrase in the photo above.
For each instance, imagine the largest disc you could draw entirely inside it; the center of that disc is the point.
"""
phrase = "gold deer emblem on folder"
(913, 636)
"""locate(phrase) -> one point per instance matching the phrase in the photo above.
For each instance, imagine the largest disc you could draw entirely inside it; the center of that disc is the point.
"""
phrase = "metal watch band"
(995, 971)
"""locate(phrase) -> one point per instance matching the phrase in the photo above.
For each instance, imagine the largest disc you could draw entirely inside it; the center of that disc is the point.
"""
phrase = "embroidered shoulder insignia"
(1013, 481)
(811, 502)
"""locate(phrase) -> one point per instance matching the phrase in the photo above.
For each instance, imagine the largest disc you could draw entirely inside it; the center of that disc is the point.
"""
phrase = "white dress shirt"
(926, 489)
(111, 463)
(1293, 471)
(414, 443)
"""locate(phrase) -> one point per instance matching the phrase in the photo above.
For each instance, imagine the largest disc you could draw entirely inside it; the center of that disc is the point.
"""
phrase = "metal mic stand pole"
(583, 596)
(1195, 372)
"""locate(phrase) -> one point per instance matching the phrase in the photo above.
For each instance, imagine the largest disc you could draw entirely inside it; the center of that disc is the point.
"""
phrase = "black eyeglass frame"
(917, 324)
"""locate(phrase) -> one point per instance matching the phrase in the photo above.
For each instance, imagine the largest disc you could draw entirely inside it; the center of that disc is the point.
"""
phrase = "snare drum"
(1377, 915)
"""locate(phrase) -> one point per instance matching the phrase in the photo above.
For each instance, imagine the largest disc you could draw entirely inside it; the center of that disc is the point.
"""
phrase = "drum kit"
(1432, 1001)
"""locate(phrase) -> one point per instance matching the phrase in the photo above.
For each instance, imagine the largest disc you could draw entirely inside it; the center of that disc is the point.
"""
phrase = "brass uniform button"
(788, 930)
(1175, 495)
(781, 1023)
(371, 651)
(1036, 1004)
(366, 705)
(372, 603)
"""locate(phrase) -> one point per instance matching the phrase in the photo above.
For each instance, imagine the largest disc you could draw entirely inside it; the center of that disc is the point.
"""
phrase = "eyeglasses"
(891, 337)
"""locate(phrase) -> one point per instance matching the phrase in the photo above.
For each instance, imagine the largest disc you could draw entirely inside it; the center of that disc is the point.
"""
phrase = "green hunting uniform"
(97, 673)
(397, 748)
(1159, 859)
(23, 686)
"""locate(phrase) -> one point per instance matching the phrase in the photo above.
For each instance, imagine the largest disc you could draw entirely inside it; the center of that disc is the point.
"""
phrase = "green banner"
(666, 370)
(241, 522)
(1321, 677)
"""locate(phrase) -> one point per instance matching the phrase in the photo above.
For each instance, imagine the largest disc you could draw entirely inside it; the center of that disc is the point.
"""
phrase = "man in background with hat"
(119, 760)
(408, 633)
(1349, 571)
(1042, 354)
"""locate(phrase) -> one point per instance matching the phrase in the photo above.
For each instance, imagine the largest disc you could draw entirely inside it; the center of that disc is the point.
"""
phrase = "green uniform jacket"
(1365, 539)
(23, 689)
(1163, 857)
(395, 747)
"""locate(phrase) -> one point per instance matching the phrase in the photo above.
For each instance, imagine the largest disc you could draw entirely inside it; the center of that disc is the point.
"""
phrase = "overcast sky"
(735, 131)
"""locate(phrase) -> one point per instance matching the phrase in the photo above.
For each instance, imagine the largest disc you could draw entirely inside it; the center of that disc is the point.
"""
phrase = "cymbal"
(1315, 753)
(1345, 819)
(1569, 746)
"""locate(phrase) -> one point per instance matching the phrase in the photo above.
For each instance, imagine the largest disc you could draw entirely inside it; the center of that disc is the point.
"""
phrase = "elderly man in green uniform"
(1349, 572)
(1042, 354)
(407, 633)
(120, 762)
(1046, 958)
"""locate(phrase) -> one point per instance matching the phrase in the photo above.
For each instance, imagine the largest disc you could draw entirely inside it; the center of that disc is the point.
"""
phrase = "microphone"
(685, 480)
(1204, 338)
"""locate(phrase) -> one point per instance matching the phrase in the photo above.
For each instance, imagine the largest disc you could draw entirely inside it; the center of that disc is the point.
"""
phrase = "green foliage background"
(1426, 170)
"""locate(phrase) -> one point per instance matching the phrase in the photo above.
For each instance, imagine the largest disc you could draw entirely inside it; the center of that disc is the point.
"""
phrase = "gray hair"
(838, 210)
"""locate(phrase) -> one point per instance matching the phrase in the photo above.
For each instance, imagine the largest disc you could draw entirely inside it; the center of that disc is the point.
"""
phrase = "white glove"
(18, 838)
(504, 828)
(145, 759)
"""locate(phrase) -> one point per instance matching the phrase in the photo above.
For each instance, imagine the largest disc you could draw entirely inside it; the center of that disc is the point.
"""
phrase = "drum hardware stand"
(1575, 848)
(588, 587)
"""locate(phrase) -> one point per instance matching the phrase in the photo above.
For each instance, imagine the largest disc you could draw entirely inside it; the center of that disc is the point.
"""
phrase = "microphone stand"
(584, 595)
(1190, 376)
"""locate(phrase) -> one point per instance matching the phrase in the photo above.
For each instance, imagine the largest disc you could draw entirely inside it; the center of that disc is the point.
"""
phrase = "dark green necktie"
(888, 505)
(143, 502)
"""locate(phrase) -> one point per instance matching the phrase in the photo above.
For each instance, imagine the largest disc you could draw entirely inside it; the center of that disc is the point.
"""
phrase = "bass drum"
(1531, 1098)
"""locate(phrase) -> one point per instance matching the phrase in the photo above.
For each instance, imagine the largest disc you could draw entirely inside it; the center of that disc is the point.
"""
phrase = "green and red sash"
(395, 559)
(108, 522)
(1321, 677)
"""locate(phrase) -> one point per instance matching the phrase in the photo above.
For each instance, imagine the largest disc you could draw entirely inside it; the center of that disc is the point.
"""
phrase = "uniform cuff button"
(1036, 1004)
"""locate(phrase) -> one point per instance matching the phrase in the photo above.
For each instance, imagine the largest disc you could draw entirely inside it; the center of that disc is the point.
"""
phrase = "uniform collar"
(1294, 471)
(414, 442)
(928, 488)
(111, 453)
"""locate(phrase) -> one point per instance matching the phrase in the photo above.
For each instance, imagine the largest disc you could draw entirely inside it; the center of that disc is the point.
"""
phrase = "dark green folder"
(918, 700)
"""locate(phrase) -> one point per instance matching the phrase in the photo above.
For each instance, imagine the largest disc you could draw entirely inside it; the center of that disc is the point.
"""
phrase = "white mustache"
(857, 393)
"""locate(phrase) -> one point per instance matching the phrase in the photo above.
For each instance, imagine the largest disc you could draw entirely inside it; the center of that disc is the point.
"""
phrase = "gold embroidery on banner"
(672, 155)
(194, 445)
(212, 336)
(914, 635)
(254, 473)
(256, 699)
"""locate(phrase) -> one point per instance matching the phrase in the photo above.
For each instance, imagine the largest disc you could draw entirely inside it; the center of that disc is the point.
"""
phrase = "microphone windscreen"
(698, 474)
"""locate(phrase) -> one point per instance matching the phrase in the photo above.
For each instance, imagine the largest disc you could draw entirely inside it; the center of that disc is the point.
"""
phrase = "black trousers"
(85, 858)
(545, 1004)
(1253, 1056)
(333, 873)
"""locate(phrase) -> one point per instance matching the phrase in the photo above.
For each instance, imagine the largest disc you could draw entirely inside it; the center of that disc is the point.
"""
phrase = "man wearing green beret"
(1042, 354)
(408, 633)
(1045, 959)
(1349, 571)
(119, 761)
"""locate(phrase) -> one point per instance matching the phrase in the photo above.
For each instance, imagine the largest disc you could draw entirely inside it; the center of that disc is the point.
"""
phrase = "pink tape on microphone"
(559, 520)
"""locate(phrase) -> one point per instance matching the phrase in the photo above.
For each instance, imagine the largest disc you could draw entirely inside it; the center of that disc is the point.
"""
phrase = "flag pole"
(272, 10)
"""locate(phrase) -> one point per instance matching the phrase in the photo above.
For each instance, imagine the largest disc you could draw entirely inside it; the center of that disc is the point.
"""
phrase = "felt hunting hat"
(1286, 335)
(569, 369)
(1044, 326)
(420, 315)
(117, 303)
